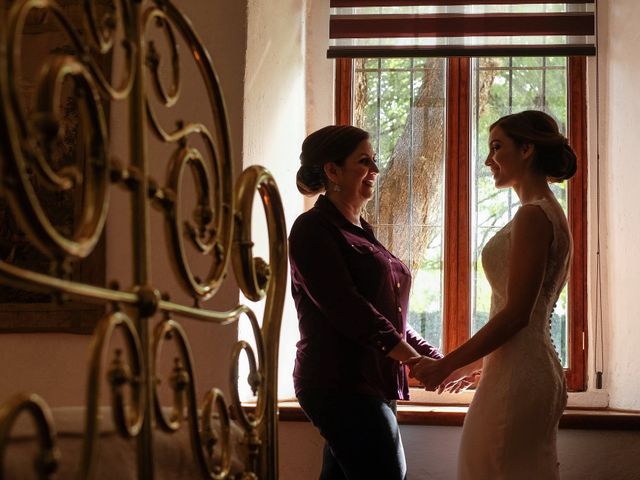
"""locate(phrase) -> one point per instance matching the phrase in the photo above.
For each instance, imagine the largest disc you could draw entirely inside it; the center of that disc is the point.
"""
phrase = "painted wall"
(619, 68)
(274, 127)
(319, 69)
(288, 94)
(432, 453)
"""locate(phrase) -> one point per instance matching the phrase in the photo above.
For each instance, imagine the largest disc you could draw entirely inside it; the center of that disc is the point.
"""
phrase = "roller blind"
(413, 28)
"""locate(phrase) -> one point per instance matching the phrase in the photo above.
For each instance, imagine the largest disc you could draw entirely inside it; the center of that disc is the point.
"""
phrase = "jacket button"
(398, 284)
(400, 309)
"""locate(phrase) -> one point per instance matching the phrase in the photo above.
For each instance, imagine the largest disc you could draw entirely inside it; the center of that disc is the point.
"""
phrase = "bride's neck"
(532, 188)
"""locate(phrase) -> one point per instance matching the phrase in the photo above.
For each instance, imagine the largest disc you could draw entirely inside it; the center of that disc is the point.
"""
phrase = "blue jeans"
(361, 432)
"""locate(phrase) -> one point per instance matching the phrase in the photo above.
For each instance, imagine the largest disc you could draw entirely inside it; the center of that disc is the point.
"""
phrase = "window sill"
(592, 399)
(452, 415)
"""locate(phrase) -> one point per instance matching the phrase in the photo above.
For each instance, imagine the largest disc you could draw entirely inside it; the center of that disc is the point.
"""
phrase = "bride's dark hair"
(554, 157)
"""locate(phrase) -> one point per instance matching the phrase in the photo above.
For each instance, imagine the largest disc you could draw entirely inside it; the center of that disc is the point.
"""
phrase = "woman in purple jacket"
(351, 295)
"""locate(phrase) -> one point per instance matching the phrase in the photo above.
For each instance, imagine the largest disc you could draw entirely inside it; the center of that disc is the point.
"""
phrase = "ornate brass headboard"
(220, 230)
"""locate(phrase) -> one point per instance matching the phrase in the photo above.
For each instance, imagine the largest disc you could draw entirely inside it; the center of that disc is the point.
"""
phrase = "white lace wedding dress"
(510, 430)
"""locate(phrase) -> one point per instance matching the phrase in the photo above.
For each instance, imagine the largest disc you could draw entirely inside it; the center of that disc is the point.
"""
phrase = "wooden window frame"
(457, 250)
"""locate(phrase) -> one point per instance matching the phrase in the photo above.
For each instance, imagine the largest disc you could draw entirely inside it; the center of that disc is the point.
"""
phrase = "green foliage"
(389, 86)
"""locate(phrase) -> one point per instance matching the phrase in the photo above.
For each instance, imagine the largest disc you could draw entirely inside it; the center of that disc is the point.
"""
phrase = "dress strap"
(550, 213)
(561, 241)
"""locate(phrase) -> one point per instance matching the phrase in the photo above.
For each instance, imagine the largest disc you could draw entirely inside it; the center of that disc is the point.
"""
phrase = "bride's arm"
(531, 235)
(465, 370)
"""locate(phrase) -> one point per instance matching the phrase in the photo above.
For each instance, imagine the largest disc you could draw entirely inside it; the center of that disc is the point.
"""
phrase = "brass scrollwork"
(49, 456)
(36, 133)
(218, 229)
(128, 419)
(170, 97)
(185, 405)
(100, 37)
(256, 284)
(212, 233)
(255, 379)
(204, 234)
(214, 400)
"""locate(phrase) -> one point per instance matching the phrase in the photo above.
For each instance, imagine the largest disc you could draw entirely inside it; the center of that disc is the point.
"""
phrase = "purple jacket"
(352, 296)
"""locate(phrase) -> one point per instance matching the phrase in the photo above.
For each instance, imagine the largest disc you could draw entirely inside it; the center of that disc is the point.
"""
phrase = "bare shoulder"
(532, 222)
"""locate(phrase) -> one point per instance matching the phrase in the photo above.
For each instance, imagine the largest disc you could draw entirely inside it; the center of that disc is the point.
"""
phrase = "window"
(436, 204)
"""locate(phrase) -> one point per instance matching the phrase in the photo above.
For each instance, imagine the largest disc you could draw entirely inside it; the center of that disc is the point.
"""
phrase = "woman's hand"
(431, 373)
(460, 384)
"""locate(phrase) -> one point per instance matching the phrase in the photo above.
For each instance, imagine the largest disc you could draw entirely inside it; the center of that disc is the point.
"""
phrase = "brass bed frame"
(220, 231)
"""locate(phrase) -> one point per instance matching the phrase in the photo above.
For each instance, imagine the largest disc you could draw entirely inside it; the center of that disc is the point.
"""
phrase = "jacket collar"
(331, 212)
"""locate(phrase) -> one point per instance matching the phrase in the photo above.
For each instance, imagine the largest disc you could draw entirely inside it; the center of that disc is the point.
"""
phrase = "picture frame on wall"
(24, 311)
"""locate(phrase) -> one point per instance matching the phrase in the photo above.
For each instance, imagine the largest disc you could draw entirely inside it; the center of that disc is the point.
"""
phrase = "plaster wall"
(619, 105)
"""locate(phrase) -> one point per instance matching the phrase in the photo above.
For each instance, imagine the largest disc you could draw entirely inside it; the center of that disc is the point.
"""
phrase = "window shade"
(413, 28)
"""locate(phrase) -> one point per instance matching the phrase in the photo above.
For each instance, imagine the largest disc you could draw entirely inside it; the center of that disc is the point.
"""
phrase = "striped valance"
(414, 28)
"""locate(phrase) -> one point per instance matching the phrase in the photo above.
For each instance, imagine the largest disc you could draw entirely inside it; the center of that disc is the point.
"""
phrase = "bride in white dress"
(510, 430)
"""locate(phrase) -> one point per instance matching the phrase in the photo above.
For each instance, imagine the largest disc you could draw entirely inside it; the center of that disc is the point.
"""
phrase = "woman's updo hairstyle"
(333, 143)
(554, 157)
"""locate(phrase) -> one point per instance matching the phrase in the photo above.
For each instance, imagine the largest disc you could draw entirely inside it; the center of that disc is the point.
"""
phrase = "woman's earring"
(336, 188)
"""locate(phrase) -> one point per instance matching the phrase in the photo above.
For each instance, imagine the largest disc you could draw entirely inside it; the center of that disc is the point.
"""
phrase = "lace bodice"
(495, 259)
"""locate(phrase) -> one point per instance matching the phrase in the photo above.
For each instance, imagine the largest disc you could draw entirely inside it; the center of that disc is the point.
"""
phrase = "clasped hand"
(436, 376)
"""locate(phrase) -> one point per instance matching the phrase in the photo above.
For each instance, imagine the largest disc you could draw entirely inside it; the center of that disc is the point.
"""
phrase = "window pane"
(425, 312)
(396, 63)
(401, 102)
(500, 87)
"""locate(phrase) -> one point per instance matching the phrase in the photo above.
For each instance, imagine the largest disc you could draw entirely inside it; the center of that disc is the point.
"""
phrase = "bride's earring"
(336, 188)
